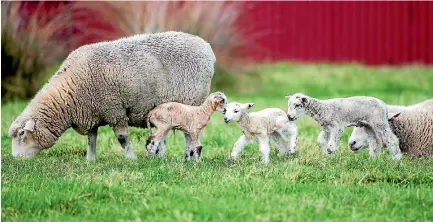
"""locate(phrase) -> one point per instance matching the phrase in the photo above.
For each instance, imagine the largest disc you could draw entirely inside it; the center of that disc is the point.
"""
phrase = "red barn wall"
(366, 32)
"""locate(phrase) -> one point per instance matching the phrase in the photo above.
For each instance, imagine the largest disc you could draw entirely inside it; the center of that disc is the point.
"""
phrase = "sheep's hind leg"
(239, 146)
(91, 144)
(154, 142)
(122, 136)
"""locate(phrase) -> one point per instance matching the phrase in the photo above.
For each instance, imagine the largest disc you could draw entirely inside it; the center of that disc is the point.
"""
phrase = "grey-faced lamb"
(189, 119)
(270, 123)
(359, 137)
(333, 115)
(115, 83)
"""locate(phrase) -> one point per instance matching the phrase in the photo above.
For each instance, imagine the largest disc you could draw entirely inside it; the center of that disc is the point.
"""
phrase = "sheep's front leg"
(392, 143)
(91, 144)
(161, 147)
(239, 146)
(334, 138)
(264, 147)
(122, 136)
(195, 148)
(322, 140)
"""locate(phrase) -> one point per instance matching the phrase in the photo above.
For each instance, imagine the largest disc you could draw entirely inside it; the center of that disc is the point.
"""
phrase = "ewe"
(115, 83)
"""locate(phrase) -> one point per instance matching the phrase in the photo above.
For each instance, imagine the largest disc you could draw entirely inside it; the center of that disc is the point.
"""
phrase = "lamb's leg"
(280, 143)
(292, 133)
(161, 147)
(264, 147)
(334, 138)
(91, 144)
(195, 147)
(154, 141)
(188, 141)
(374, 142)
(239, 146)
(391, 141)
(122, 136)
(322, 140)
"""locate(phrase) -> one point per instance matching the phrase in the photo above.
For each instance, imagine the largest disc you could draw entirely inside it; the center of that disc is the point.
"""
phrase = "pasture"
(60, 184)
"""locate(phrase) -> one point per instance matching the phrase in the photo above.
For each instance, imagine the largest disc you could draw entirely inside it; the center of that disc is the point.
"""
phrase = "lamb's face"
(219, 101)
(23, 141)
(358, 140)
(296, 106)
(233, 111)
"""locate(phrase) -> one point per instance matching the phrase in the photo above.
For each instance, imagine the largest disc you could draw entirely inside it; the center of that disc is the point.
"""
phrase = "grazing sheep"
(189, 119)
(333, 115)
(259, 127)
(116, 83)
(358, 139)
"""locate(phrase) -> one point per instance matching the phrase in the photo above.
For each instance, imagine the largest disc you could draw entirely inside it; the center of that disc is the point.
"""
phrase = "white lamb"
(259, 127)
(333, 115)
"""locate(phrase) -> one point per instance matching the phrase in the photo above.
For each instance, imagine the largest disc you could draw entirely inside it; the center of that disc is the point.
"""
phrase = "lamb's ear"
(30, 125)
(304, 99)
(287, 97)
(247, 105)
(392, 116)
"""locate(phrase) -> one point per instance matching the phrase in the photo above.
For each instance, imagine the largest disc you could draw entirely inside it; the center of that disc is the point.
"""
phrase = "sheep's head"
(23, 140)
(219, 101)
(233, 111)
(296, 105)
(358, 140)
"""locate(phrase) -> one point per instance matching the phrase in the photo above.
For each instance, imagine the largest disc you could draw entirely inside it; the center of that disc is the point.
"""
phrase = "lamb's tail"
(149, 128)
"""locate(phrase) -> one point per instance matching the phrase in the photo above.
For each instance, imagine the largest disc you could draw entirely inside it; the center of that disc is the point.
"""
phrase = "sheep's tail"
(149, 129)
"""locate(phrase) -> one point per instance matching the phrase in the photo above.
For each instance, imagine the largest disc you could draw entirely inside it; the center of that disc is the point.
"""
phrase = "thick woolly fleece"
(333, 115)
(414, 129)
(118, 83)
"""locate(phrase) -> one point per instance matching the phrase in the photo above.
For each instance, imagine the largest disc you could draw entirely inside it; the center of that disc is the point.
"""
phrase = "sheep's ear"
(30, 125)
(392, 116)
(304, 99)
(13, 129)
(287, 97)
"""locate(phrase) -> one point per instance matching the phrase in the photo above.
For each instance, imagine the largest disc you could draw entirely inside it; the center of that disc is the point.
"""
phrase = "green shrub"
(29, 47)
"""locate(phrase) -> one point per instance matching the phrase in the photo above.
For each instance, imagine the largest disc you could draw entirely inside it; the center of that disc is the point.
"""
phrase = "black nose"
(290, 118)
(351, 144)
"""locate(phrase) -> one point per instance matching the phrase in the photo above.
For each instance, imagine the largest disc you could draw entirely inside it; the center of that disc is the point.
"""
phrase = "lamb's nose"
(225, 119)
(352, 143)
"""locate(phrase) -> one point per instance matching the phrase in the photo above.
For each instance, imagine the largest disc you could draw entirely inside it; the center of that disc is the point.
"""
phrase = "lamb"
(333, 115)
(116, 83)
(189, 119)
(359, 137)
(259, 127)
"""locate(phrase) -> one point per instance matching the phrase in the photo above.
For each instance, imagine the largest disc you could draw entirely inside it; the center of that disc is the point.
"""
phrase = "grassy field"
(60, 184)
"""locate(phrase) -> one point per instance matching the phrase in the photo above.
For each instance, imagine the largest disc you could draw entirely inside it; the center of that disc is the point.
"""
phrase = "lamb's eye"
(297, 105)
(236, 111)
(224, 111)
(21, 133)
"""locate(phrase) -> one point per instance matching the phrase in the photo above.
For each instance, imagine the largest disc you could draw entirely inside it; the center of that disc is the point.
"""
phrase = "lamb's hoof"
(396, 157)
(131, 155)
(91, 158)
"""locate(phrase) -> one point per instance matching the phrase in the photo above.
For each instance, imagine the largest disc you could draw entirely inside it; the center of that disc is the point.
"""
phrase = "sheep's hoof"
(396, 157)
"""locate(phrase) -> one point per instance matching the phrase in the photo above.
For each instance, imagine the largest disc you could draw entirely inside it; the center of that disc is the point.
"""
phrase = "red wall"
(367, 32)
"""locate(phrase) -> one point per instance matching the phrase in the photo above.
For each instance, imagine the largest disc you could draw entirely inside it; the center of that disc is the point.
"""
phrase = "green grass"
(60, 184)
